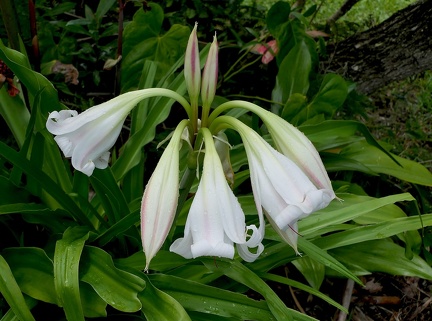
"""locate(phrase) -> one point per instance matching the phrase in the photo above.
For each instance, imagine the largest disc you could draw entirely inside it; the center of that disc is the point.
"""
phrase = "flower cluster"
(289, 182)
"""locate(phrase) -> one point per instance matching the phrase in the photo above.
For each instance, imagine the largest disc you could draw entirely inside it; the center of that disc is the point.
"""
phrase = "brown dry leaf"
(411, 289)
(110, 63)
(68, 70)
(359, 315)
(317, 33)
(373, 287)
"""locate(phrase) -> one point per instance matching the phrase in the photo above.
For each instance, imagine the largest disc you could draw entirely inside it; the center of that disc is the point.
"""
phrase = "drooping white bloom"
(216, 220)
(159, 202)
(280, 186)
(87, 137)
(296, 146)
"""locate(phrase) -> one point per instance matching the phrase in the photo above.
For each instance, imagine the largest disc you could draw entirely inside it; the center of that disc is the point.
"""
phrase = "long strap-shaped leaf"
(12, 293)
(159, 306)
(240, 273)
(323, 257)
(115, 286)
(66, 277)
(303, 287)
(198, 297)
(374, 232)
(46, 182)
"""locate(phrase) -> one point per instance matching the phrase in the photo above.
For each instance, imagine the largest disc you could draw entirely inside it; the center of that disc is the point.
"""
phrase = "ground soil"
(382, 298)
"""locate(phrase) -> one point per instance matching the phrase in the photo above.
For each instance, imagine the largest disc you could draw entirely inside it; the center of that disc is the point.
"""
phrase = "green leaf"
(11, 316)
(159, 306)
(145, 24)
(116, 287)
(12, 293)
(66, 265)
(376, 231)
(119, 227)
(379, 162)
(301, 286)
(295, 104)
(278, 15)
(163, 261)
(33, 81)
(334, 135)
(240, 273)
(103, 8)
(382, 256)
(92, 303)
(330, 97)
(112, 198)
(11, 195)
(338, 212)
(313, 271)
(33, 271)
(15, 113)
(142, 41)
(194, 296)
(324, 258)
(293, 74)
(45, 181)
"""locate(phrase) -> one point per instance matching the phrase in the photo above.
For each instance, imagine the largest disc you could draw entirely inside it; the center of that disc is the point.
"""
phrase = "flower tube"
(159, 201)
(216, 220)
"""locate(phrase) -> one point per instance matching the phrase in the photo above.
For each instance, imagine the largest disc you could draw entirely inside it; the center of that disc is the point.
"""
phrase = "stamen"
(294, 231)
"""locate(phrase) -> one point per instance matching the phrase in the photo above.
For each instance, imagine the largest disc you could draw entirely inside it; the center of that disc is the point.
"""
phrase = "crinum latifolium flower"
(87, 137)
(279, 185)
(215, 220)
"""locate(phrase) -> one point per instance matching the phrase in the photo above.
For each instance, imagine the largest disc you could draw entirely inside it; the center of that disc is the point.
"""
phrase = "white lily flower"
(280, 186)
(88, 136)
(216, 220)
(159, 202)
(296, 146)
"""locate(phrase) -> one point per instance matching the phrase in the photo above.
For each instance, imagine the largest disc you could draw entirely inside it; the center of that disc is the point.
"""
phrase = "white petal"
(65, 121)
(220, 249)
(253, 242)
(87, 168)
(91, 145)
(65, 144)
(215, 219)
(183, 246)
(160, 198)
(295, 145)
(102, 161)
